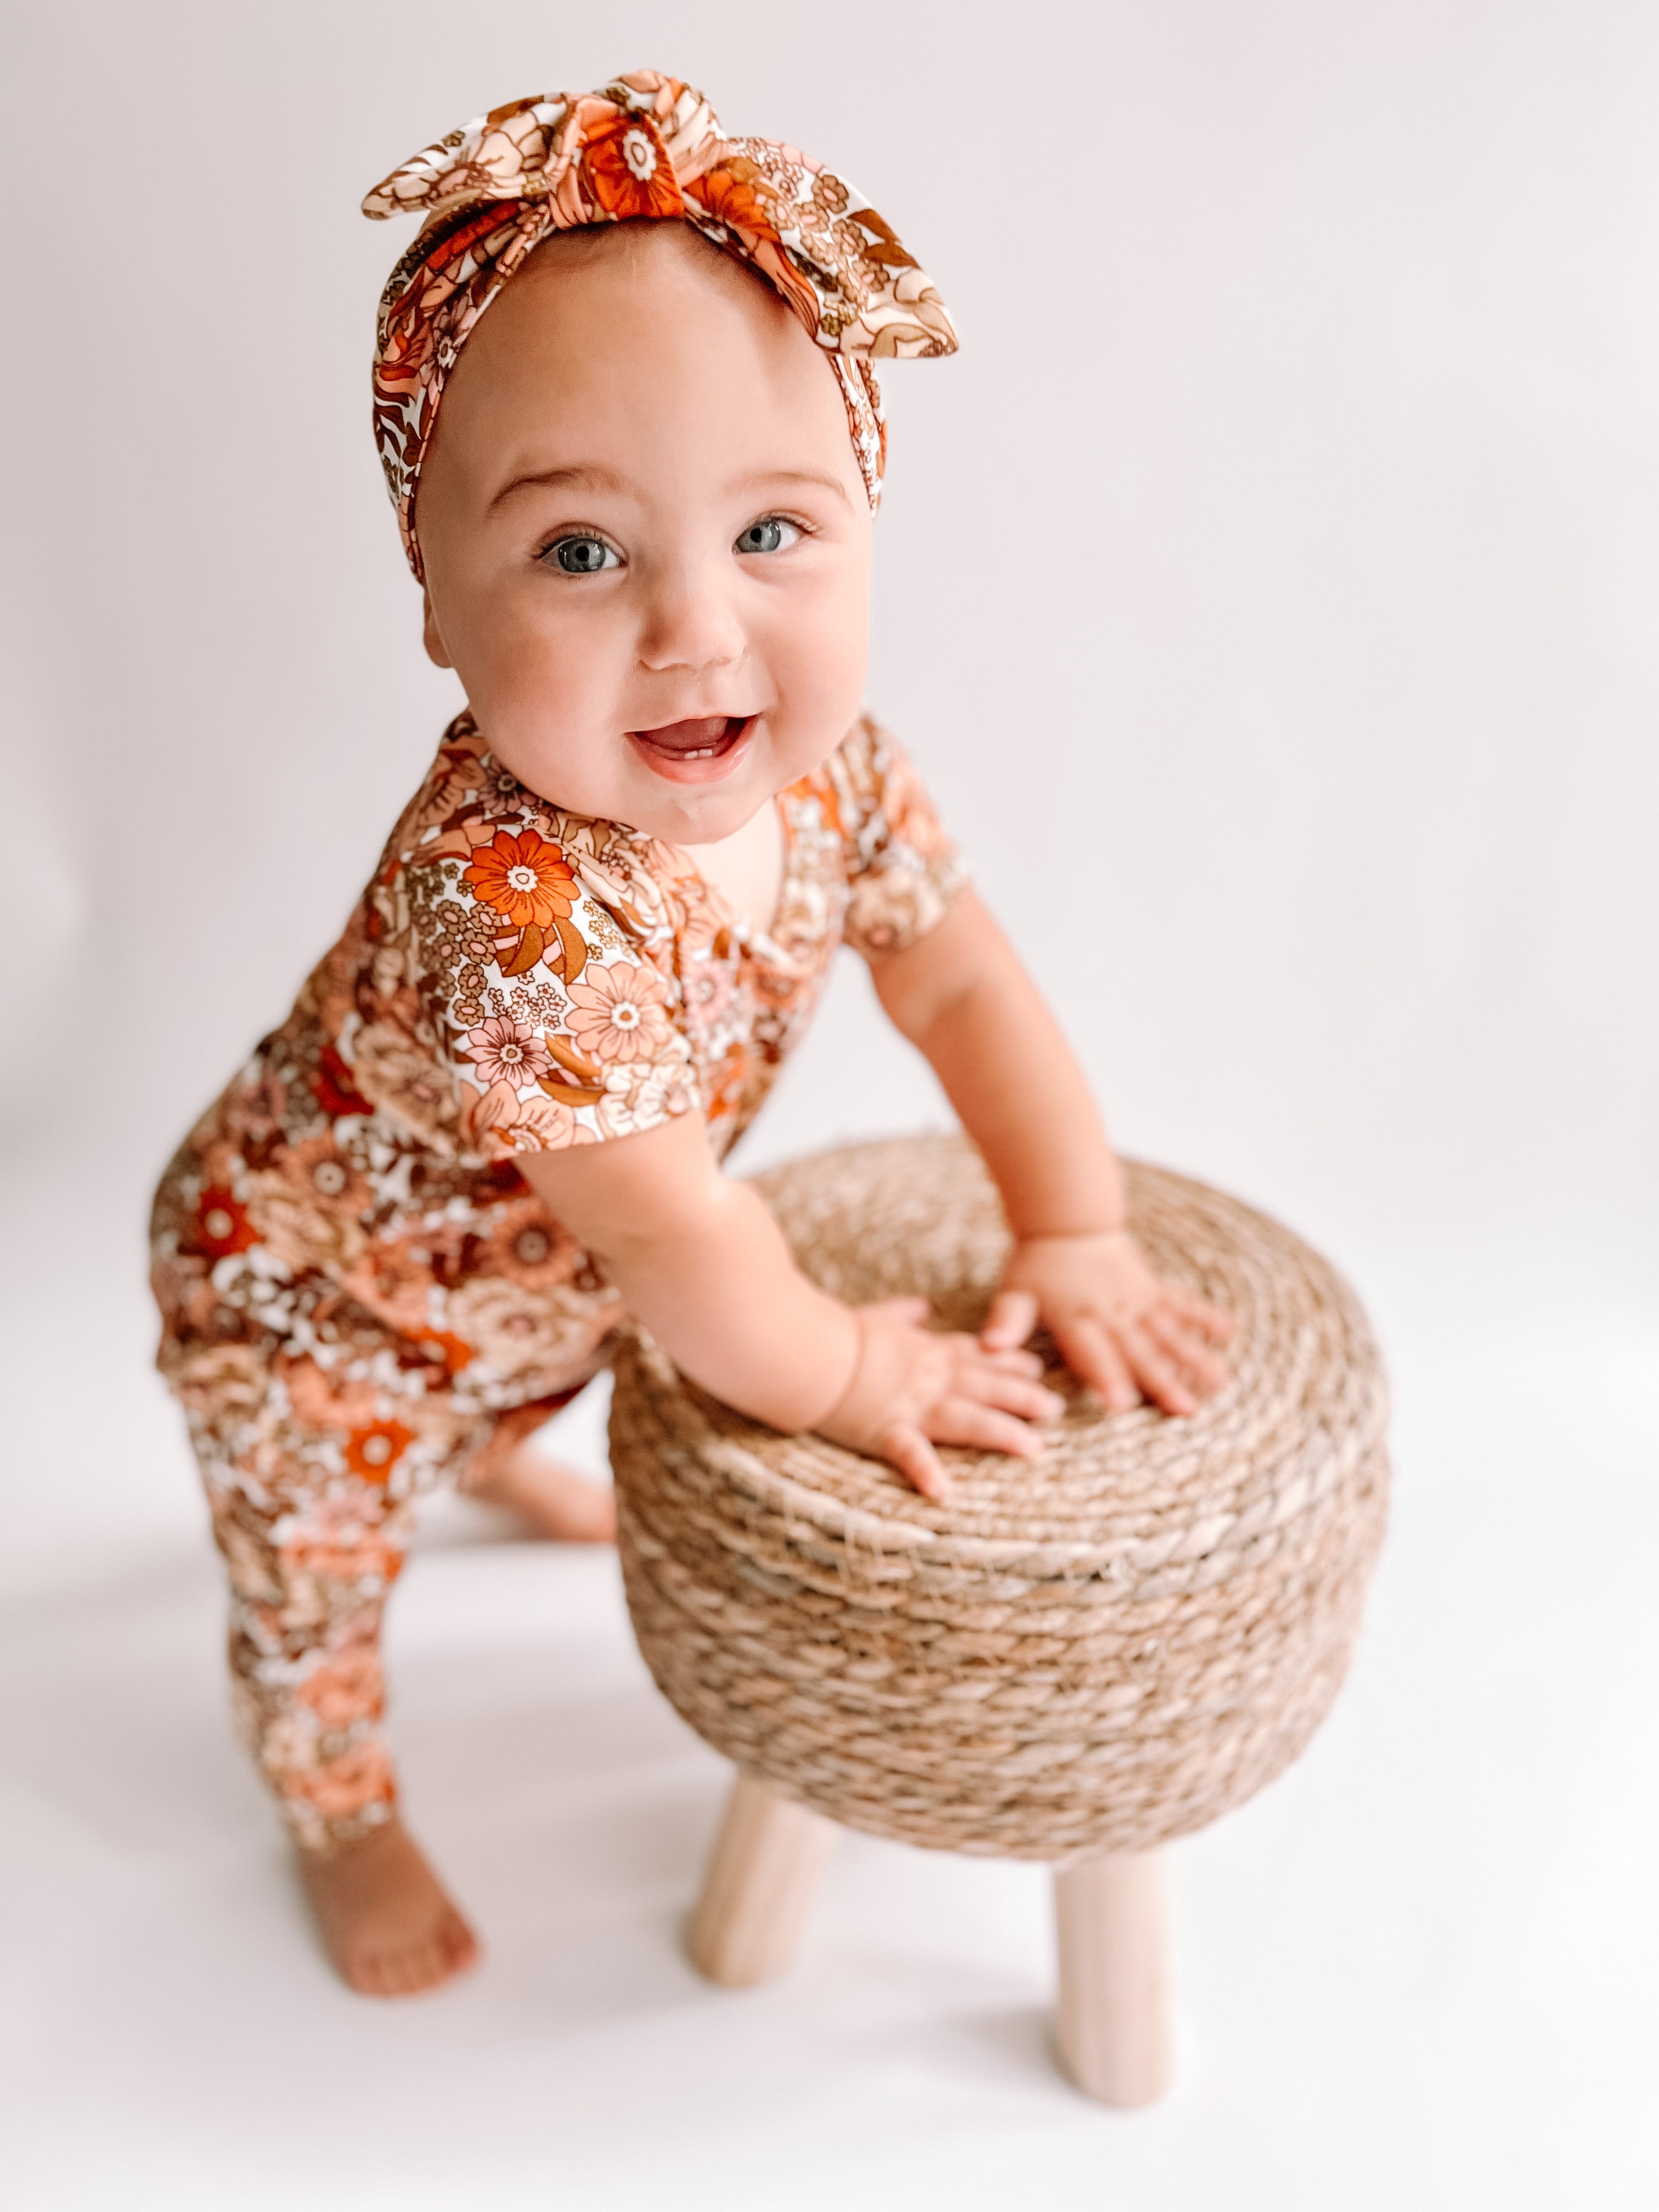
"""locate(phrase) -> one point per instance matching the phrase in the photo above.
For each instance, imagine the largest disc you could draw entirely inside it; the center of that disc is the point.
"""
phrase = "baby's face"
(645, 538)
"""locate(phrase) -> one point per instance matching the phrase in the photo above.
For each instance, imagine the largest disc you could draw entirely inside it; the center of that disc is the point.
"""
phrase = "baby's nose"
(691, 624)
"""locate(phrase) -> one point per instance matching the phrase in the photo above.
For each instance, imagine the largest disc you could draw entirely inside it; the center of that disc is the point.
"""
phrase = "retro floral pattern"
(646, 146)
(361, 1297)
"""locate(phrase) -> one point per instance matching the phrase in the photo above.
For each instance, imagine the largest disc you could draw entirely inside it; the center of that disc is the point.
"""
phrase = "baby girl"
(493, 1123)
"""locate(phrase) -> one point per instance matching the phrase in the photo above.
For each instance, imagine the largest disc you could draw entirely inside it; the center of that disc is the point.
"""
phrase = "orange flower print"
(524, 879)
(220, 1226)
(617, 1014)
(628, 170)
(337, 1092)
(440, 1349)
(728, 191)
(375, 1451)
(507, 1052)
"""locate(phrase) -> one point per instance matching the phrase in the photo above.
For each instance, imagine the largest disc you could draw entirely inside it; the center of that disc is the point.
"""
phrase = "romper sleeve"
(535, 953)
(902, 870)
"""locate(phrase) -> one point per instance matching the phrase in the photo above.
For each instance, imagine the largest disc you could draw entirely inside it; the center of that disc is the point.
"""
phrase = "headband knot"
(644, 146)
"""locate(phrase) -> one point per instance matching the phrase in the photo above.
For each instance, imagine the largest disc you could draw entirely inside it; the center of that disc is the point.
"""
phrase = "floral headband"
(644, 145)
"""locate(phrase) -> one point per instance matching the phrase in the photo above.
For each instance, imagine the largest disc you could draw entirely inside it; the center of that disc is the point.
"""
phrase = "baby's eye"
(581, 556)
(770, 535)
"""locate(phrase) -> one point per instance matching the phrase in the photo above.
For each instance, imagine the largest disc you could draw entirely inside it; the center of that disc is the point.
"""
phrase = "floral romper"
(361, 1297)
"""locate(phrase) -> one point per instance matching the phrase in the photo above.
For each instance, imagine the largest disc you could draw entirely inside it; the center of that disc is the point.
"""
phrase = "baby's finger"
(1093, 1358)
(1010, 1394)
(1210, 1321)
(1028, 1364)
(909, 1451)
(908, 1309)
(968, 1421)
(1013, 1317)
(1155, 1372)
(1187, 1350)
(971, 1352)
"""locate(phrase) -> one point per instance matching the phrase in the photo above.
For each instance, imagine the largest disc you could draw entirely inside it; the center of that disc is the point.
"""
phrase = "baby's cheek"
(817, 662)
(547, 703)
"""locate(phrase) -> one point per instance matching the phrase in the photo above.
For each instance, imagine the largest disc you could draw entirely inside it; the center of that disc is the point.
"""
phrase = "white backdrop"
(1268, 591)
(1267, 588)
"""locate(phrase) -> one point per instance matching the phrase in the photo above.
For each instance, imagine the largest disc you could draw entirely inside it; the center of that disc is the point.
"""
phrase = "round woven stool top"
(1095, 1650)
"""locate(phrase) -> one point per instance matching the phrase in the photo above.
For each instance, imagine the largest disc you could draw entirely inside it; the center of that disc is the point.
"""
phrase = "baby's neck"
(746, 868)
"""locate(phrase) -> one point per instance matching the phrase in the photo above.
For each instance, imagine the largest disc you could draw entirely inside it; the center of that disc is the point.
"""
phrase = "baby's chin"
(696, 814)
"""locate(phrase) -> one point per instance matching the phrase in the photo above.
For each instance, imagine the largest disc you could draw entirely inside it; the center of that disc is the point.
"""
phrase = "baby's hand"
(1119, 1328)
(914, 1387)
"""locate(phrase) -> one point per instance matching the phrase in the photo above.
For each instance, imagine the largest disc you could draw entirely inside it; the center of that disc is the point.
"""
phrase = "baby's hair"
(638, 240)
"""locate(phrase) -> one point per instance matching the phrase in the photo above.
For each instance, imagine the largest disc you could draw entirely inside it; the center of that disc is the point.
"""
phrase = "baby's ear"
(431, 636)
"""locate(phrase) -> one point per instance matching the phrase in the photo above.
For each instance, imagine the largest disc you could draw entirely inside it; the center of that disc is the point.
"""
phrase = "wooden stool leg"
(1115, 2027)
(762, 1876)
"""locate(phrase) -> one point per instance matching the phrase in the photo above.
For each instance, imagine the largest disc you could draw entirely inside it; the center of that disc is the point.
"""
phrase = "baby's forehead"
(645, 307)
(664, 260)
(638, 356)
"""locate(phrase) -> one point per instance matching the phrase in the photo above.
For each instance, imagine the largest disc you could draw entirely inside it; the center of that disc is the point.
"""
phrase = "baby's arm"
(702, 1262)
(960, 995)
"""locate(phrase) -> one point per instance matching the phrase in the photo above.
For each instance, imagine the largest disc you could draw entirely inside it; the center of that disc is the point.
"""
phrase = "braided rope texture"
(1098, 1650)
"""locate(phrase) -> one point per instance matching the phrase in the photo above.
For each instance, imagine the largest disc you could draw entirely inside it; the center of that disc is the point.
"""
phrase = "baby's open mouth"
(693, 750)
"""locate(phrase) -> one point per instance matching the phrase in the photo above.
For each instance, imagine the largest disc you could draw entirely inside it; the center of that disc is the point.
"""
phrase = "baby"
(494, 1121)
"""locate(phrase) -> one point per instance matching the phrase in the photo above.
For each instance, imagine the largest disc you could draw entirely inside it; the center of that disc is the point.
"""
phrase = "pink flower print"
(617, 1013)
(709, 989)
(346, 1686)
(338, 1538)
(507, 1052)
(344, 1788)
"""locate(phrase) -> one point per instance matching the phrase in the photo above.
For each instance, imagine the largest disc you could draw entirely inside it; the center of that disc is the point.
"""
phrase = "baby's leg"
(310, 1562)
(555, 1500)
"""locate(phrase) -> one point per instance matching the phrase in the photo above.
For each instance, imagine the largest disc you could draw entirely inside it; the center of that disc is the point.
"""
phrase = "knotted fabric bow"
(644, 145)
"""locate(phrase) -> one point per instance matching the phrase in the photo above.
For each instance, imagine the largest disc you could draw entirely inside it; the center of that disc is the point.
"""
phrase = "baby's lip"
(700, 750)
(695, 735)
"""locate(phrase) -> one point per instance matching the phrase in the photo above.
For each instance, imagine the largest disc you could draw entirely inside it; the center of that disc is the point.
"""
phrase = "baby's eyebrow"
(584, 476)
(822, 477)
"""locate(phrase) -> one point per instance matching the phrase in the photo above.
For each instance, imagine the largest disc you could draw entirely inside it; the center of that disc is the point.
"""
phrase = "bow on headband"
(646, 145)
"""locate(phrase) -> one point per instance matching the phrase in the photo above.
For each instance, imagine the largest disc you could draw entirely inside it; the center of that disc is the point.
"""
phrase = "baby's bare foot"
(386, 1922)
(555, 1500)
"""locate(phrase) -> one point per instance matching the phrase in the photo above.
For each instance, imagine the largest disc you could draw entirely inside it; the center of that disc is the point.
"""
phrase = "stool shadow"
(1014, 2039)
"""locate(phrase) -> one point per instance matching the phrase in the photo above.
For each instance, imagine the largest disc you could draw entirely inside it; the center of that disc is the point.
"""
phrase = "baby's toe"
(459, 1945)
(367, 1971)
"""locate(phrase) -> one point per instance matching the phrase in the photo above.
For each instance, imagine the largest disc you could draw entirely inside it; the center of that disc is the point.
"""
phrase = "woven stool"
(1073, 1660)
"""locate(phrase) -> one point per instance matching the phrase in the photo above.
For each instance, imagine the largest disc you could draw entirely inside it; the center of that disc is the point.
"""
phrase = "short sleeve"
(902, 870)
(532, 953)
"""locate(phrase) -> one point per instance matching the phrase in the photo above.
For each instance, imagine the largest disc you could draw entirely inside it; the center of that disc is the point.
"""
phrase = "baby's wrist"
(1025, 1239)
(847, 1359)
(849, 1416)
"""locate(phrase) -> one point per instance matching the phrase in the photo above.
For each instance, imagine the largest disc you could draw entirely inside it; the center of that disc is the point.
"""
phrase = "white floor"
(1418, 1973)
